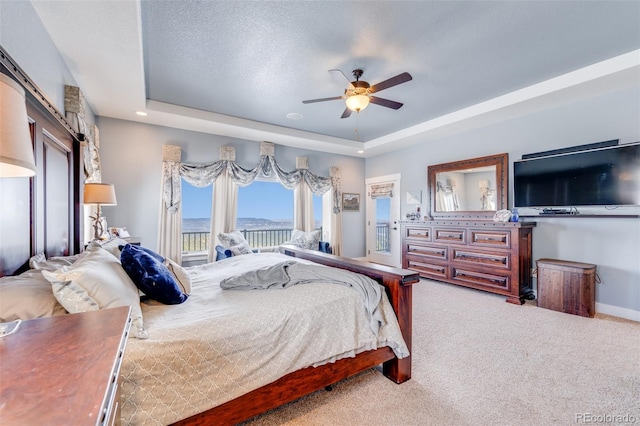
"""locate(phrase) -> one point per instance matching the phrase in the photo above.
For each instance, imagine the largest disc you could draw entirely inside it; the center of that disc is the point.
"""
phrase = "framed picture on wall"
(350, 202)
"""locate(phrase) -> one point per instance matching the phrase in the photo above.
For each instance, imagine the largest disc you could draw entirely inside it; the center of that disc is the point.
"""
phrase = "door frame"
(395, 254)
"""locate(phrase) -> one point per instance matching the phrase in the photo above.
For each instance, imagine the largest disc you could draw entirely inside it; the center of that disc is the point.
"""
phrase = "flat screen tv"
(597, 177)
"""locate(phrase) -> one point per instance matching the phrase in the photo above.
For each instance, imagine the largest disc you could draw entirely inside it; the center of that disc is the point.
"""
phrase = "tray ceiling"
(238, 68)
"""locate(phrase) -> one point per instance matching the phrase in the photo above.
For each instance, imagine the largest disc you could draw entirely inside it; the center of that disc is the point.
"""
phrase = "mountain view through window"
(262, 206)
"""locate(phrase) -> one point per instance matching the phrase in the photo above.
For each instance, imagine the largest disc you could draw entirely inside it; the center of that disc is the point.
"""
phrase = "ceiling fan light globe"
(357, 102)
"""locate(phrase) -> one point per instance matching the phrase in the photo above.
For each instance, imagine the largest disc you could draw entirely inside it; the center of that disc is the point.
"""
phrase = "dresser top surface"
(469, 223)
(59, 368)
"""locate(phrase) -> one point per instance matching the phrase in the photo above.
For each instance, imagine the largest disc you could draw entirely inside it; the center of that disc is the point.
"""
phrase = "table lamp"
(100, 194)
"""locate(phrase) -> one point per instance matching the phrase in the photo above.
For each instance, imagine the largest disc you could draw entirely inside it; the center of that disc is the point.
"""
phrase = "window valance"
(201, 175)
(382, 190)
(74, 106)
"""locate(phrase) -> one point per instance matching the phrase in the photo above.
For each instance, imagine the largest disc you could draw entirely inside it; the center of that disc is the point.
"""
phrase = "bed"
(260, 386)
(271, 337)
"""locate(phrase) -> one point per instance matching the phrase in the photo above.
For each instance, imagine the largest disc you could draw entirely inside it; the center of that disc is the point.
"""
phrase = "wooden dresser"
(486, 255)
(64, 370)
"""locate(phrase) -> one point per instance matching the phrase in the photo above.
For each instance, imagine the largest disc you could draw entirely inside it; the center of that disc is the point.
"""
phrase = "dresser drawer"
(418, 233)
(493, 238)
(450, 236)
(470, 257)
(427, 269)
(481, 280)
(426, 251)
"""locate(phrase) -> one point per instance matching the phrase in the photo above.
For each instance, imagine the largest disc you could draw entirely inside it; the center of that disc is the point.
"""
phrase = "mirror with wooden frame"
(469, 189)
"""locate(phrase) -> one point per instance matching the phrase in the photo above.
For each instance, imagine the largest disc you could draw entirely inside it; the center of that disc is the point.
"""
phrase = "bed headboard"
(41, 213)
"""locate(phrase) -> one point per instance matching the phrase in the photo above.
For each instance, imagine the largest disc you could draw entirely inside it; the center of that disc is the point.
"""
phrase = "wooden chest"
(567, 286)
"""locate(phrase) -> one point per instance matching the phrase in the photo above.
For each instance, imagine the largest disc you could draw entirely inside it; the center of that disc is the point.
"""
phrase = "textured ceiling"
(218, 64)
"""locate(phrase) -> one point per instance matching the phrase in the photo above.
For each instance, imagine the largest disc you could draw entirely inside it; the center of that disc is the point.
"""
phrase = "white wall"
(612, 244)
(24, 38)
(131, 156)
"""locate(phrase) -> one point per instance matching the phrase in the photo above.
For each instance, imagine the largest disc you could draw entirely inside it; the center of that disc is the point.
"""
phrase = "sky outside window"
(261, 199)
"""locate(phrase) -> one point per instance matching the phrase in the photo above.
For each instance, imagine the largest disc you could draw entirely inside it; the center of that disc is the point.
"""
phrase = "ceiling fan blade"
(385, 102)
(393, 81)
(345, 77)
(346, 113)
(310, 101)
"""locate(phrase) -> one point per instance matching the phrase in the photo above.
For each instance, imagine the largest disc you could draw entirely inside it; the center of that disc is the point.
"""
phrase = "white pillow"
(305, 240)
(97, 281)
(27, 296)
(242, 248)
(40, 262)
(112, 245)
(180, 274)
(231, 239)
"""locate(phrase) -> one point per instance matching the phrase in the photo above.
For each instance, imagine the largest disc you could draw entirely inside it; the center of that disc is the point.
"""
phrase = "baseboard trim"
(617, 311)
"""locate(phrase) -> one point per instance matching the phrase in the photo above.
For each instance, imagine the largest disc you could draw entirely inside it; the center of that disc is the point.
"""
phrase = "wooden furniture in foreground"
(398, 284)
(64, 369)
(485, 255)
(567, 286)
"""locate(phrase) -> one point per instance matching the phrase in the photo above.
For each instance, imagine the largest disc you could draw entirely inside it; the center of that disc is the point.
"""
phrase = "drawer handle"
(427, 251)
(480, 258)
(482, 278)
(493, 280)
(419, 234)
(489, 238)
(457, 236)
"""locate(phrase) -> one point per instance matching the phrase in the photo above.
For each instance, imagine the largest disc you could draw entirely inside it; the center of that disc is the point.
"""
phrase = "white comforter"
(221, 344)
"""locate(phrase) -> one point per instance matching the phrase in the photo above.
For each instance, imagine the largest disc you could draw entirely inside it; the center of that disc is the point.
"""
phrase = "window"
(196, 217)
(265, 213)
(383, 223)
(318, 210)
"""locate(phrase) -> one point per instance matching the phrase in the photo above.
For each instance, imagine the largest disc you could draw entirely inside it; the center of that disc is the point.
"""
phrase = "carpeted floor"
(480, 361)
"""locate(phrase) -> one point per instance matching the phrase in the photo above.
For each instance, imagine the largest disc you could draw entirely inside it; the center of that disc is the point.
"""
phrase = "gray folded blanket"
(286, 274)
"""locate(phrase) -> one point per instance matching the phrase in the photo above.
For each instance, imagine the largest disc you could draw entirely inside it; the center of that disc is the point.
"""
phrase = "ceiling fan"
(358, 94)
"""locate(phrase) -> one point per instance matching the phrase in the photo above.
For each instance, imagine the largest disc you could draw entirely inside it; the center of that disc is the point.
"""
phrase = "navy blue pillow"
(147, 270)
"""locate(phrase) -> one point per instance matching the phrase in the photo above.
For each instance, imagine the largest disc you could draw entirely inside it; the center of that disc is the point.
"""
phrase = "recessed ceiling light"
(141, 113)
(294, 116)
(361, 151)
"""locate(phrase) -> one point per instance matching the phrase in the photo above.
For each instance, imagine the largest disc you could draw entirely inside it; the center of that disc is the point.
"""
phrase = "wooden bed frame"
(48, 220)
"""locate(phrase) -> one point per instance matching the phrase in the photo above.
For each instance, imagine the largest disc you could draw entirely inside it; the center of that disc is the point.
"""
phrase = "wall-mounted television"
(595, 177)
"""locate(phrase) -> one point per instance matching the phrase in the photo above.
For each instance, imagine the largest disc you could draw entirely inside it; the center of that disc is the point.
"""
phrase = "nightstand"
(64, 369)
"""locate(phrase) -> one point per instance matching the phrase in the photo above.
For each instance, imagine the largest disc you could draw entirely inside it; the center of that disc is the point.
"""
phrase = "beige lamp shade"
(100, 193)
(16, 150)
(357, 102)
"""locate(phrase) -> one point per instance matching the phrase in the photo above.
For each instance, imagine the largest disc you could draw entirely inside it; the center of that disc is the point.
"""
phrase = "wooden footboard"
(303, 382)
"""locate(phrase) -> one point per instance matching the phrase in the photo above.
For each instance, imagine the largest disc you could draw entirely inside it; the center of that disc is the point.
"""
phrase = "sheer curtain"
(303, 200)
(303, 208)
(336, 217)
(170, 220)
(227, 175)
(224, 210)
